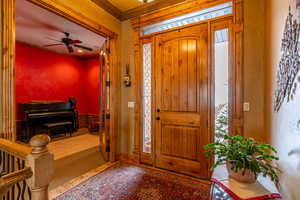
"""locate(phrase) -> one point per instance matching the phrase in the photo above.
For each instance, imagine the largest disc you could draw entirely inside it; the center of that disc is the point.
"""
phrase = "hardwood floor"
(79, 165)
(73, 157)
(72, 145)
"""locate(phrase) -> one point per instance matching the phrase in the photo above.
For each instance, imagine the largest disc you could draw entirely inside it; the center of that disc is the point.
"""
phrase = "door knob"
(158, 110)
(157, 118)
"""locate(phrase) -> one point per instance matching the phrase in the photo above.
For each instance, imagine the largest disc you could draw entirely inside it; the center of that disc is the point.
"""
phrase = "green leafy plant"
(221, 124)
(244, 153)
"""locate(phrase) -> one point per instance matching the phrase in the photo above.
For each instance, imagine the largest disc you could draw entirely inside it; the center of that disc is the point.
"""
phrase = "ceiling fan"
(69, 43)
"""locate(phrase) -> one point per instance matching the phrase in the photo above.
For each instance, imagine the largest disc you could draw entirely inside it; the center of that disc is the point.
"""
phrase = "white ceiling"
(38, 27)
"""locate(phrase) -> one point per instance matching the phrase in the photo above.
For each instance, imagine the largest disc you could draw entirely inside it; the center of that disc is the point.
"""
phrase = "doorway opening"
(61, 73)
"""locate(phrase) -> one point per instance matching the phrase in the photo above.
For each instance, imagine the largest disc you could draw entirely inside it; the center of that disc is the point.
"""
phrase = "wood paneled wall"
(237, 73)
(7, 72)
(138, 92)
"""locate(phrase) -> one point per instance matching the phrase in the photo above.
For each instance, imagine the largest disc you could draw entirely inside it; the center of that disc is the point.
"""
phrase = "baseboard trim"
(128, 158)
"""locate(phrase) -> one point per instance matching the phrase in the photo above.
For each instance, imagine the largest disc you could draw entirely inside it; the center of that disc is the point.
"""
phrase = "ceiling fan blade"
(53, 39)
(76, 42)
(83, 47)
(70, 49)
(67, 34)
(50, 45)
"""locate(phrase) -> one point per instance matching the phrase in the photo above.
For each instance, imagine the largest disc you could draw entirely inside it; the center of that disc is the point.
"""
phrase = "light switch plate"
(131, 104)
(246, 107)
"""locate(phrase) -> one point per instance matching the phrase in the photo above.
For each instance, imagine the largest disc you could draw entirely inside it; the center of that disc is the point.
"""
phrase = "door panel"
(181, 127)
(179, 73)
(179, 136)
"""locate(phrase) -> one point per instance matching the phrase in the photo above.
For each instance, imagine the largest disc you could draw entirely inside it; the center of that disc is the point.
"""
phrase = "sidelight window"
(147, 66)
(221, 71)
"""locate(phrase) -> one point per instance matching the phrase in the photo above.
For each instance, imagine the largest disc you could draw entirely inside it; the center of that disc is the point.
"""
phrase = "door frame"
(236, 64)
(7, 70)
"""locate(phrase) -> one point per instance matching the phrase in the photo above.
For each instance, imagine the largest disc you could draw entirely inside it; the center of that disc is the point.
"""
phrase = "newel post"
(41, 162)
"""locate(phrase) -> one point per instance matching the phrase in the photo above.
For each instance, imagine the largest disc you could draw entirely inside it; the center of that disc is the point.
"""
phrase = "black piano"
(36, 114)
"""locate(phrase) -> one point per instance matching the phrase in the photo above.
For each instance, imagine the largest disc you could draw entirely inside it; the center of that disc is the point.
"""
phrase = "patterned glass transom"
(202, 15)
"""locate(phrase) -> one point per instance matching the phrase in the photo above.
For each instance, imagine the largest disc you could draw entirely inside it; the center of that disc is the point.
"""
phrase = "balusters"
(2, 161)
(25, 173)
(8, 181)
(8, 164)
(13, 189)
(19, 188)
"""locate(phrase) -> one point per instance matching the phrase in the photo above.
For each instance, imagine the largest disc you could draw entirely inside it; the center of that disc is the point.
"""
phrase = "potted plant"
(245, 158)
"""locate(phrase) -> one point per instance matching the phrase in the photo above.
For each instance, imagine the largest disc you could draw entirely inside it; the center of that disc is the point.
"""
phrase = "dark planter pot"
(248, 177)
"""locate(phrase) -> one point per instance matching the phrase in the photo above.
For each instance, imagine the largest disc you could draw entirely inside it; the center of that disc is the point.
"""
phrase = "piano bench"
(65, 125)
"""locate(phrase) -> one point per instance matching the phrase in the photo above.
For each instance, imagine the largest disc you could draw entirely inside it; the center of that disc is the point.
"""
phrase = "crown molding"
(109, 7)
(148, 7)
(135, 12)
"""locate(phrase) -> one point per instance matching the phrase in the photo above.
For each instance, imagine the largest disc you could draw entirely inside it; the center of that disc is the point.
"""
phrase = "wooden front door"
(182, 100)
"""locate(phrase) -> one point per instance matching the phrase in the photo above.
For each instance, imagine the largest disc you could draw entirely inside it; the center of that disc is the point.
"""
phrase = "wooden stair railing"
(25, 172)
(10, 180)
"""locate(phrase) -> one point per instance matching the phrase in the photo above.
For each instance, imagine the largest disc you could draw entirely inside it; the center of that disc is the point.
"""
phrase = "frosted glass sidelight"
(147, 98)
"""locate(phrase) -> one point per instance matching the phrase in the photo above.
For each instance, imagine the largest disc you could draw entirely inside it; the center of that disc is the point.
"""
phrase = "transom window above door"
(190, 18)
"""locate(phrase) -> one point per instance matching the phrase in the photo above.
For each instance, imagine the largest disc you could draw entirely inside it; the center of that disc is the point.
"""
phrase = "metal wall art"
(289, 65)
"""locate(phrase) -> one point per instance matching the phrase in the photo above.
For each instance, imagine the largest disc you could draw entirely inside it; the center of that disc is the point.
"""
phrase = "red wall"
(46, 76)
(92, 85)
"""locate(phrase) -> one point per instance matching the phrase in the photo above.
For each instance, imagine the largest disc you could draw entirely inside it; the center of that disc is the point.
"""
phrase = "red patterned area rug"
(126, 182)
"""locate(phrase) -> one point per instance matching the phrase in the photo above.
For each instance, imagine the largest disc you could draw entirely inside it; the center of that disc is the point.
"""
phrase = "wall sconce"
(127, 77)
